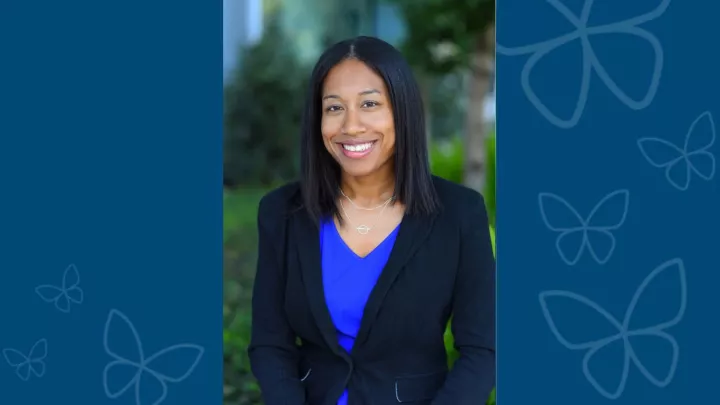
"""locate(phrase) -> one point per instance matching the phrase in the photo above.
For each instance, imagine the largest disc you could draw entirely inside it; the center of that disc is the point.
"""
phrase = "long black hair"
(320, 173)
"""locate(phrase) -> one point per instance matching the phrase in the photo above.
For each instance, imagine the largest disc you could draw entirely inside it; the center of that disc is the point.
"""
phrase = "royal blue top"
(348, 280)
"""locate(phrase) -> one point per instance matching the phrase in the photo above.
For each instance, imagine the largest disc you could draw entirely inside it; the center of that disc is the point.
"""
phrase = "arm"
(272, 350)
(472, 377)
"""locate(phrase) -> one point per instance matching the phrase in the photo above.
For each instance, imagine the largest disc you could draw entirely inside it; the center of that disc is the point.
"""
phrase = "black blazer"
(439, 266)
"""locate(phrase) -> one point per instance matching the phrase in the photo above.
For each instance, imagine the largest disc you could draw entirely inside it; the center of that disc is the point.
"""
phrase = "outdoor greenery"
(451, 38)
(444, 34)
(263, 106)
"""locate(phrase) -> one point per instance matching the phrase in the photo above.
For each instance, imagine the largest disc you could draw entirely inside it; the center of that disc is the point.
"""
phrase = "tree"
(263, 104)
(447, 36)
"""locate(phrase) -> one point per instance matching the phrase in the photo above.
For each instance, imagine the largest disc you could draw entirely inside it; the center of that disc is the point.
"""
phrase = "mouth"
(357, 150)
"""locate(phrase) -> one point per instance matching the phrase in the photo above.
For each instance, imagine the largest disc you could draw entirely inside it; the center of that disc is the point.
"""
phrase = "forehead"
(352, 76)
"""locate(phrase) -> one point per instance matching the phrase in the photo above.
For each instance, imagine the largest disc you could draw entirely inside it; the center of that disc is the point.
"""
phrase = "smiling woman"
(367, 257)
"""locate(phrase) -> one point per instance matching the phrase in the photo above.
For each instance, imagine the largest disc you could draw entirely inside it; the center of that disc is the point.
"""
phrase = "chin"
(358, 169)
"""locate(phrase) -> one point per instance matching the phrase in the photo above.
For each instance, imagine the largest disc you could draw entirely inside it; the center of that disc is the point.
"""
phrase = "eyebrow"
(362, 93)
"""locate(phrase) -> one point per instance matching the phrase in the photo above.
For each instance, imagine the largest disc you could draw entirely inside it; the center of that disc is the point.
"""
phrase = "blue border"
(111, 217)
(607, 201)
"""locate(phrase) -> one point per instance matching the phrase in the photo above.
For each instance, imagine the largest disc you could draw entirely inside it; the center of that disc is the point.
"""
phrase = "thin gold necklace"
(366, 209)
(362, 228)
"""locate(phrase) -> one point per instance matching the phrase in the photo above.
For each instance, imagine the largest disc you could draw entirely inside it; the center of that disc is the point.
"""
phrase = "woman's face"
(357, 121)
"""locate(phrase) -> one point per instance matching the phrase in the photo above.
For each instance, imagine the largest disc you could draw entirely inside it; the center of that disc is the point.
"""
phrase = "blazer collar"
(413, 231)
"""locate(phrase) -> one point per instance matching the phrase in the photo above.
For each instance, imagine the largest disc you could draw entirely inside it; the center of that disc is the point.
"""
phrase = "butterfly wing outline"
(616, 220)
(71, 282)
(701, 152)
(24, 365)
(117, 319)
(573, 240)
(175, 375)
(590, 61)
(658, 331)
(151, 367)
(593, 347)
(680, 163)
(36, 358)
(537, 52)
(569, 252)
(542, 107)
(61, 297)
(658, 62)
(665, 155)
(159, 398)
(624, 331)
(49, 293)
(18, 361)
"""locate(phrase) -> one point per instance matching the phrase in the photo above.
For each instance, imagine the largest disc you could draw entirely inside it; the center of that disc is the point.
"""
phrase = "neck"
(369, 190)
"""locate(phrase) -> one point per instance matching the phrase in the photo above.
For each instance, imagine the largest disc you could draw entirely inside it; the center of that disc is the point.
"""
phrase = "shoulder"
(277, 204)
(462, 206)
(455, 197)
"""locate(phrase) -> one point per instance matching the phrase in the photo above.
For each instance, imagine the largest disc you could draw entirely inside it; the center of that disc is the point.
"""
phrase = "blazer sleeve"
(272, 351)
(472, 377)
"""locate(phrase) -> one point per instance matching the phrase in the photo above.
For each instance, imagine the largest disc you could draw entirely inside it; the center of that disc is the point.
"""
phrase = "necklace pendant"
(363, 229)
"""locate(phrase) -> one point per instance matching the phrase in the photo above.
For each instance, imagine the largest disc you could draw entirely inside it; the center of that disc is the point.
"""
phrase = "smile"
(357, 150)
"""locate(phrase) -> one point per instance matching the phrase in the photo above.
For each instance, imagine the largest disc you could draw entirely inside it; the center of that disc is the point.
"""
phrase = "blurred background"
(269, 48)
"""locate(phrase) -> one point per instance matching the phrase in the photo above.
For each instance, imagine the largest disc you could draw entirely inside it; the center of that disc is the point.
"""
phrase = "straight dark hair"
(320, 173)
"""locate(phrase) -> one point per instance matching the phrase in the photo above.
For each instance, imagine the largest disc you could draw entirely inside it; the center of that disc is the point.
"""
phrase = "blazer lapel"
(413, 231)
(308, 239)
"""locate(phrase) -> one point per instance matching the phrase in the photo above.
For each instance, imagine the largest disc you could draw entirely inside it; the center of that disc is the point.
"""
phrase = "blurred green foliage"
(240, 243)
(263, 103)
(447, 161)
(442, 34)
(490, 178)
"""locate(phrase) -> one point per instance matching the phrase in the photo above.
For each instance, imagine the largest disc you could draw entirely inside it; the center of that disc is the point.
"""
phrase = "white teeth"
(358, 148)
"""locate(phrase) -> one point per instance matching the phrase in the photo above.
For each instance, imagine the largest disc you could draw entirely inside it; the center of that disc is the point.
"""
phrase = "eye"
(370, 104)
(333, 108)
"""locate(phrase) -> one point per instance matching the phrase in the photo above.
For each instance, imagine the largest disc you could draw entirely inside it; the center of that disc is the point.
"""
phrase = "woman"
(362, 263)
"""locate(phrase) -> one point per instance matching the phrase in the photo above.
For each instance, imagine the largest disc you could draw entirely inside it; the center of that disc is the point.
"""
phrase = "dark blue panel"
(608, 205)
(111, 219)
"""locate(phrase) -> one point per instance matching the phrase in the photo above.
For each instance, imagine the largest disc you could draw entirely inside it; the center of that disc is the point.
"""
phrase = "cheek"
(389, 143)
(389, 135)
(329, 127)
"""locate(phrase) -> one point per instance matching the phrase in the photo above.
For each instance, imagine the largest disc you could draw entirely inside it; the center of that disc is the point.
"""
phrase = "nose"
(353, 125)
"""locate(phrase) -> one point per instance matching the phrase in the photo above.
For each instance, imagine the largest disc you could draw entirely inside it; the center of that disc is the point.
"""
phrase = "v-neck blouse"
(348, 280)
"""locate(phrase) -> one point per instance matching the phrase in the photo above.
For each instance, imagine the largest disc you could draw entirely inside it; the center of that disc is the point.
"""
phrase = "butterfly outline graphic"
(683, 156)
(590, 60)
(142, 364)
(585, 226)
(63, 296)
(623, 331)
(32, 363)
